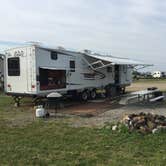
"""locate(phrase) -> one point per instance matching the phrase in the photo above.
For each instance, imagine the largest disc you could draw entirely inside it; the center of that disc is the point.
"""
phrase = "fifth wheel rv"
(37, 71)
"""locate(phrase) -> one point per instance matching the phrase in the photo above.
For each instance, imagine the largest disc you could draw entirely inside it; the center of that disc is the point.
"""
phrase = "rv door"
(117, 74)
(30, 68)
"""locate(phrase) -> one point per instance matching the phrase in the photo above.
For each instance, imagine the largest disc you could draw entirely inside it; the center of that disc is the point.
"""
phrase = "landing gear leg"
(17, 101)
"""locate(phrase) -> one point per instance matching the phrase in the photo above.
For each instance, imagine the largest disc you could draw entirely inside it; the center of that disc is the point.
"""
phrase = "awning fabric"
(118, 61)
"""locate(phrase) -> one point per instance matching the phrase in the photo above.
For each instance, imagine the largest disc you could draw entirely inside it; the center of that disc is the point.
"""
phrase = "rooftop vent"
(60, 48)
(87, 51)
(34, 43)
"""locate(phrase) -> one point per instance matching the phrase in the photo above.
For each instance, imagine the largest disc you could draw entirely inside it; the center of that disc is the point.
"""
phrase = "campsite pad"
(90, 114)
(91, 108)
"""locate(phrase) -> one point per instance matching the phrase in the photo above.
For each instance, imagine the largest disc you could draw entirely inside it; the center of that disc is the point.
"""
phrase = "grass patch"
(55, 143)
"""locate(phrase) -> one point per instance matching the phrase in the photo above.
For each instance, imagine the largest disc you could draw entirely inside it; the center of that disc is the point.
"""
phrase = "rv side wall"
(79, 78)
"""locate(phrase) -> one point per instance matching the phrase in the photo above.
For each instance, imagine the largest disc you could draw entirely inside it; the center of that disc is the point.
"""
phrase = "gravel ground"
(115, 114)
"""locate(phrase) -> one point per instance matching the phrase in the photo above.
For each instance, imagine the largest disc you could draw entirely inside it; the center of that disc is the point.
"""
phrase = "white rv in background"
(157, 74)
(36, 71)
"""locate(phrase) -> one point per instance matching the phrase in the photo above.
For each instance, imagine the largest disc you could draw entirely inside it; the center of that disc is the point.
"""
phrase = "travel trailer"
(37, 71)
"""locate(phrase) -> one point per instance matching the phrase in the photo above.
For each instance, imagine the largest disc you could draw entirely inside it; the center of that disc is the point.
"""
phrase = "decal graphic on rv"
(95, 75)
(19, 53)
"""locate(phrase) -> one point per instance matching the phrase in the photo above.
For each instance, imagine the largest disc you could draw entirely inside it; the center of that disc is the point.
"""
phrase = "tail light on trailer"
(9, 86)
(33, 86)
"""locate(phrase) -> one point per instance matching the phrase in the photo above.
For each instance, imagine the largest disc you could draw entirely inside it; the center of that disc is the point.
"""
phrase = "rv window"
(109, 69)
(14, 66)
(72, 66)
(54, 55)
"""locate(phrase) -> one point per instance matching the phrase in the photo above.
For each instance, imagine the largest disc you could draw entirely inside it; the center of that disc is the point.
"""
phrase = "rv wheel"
(84, 96)
(93, 94)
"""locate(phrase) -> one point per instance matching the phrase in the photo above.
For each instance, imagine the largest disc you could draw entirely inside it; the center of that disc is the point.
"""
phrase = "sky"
(126, 28)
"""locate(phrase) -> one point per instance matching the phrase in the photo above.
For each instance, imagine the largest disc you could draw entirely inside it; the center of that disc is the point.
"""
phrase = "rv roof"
(111, 59)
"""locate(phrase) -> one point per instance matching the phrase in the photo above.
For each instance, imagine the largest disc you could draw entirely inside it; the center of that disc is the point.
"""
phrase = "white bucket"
(40, 112)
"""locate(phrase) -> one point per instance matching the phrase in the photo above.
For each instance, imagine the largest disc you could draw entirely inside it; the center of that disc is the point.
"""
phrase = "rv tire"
(84, 96)
(93, 94)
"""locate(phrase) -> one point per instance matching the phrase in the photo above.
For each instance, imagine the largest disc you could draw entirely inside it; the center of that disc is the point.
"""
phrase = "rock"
(151, 125)
(140, 122)
(143, 129)
(114, 127)
(125, 118)
(154, 131)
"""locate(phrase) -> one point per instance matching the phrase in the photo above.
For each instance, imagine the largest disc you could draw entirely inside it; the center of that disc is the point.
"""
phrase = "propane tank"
(40, 111)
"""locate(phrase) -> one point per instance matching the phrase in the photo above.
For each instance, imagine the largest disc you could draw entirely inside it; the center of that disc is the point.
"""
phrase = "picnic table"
(145, 94)
(148, 95)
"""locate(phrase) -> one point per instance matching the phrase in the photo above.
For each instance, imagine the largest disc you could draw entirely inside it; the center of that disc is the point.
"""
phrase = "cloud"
(128, 28)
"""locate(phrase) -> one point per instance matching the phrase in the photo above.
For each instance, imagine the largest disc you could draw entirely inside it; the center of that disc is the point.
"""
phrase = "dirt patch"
(93, 108)
(116, 114)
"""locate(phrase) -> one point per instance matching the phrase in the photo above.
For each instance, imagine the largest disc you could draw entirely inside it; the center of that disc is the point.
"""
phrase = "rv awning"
(53, 68)
(99, 61)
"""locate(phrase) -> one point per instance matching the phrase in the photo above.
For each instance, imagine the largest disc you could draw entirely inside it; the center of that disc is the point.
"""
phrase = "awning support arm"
(96, 62)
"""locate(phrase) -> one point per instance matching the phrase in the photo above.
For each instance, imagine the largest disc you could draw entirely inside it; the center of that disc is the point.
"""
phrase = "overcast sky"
(126, 28)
